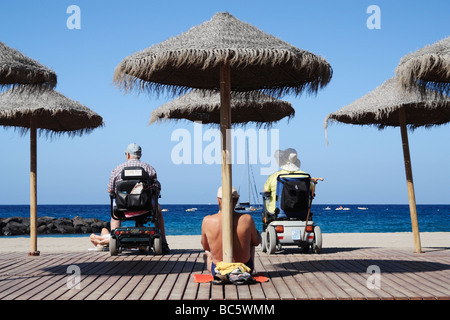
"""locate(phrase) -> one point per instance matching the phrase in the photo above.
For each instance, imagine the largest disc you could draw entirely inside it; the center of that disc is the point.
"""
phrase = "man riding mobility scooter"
(135, 199)
(290, 223)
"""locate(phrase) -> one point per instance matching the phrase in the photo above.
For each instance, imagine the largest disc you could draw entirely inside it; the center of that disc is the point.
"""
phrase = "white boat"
(342, 208)
(191, 209)
(362, 208)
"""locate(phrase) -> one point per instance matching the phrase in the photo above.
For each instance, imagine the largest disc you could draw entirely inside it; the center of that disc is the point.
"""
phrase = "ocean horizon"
(186, 219)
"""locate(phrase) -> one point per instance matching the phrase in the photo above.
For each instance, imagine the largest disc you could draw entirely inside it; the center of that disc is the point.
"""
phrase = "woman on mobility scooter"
(287, 198)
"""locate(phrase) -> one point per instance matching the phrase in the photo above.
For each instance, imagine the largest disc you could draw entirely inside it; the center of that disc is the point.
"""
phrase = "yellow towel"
(227, 267)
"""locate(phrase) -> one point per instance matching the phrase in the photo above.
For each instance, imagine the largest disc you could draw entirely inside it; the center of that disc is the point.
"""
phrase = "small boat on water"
(342, 208)
(191, 209)
(164, 210)
(362, 208)
(327, 208)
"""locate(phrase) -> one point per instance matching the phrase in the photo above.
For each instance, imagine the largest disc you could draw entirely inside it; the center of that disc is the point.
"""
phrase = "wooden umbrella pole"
(33, 189)
(225, 126)
(409, 181)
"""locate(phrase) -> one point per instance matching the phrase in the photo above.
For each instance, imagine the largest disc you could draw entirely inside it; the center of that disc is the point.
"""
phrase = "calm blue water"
(377, 218)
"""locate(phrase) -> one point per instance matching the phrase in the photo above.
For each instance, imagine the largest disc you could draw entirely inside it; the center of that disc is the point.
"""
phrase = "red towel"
(201, 278)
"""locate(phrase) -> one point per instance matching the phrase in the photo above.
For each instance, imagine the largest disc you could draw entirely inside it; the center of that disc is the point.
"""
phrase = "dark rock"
(49, 225)
(14, 228)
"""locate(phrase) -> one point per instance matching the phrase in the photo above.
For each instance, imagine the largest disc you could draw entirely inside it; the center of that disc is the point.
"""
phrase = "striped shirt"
(116, 173)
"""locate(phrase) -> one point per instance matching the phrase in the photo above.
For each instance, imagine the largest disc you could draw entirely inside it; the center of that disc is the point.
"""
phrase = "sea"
(186, 219)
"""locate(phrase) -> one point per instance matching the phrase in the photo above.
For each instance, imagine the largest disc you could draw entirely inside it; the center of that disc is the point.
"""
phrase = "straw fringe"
(204, 106)
(430, 72)
(16, 68)
(133, 73)
(55, 114)
(191, 60)
(380, 107)
(11, 76)
(427, 69)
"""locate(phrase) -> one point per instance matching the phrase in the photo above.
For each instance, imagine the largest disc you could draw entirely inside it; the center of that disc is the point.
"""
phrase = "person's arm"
(111, 182)
(153, 176)
(204, 240)
(256, 237)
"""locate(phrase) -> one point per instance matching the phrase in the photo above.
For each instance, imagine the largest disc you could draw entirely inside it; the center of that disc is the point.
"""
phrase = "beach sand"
(330, 240)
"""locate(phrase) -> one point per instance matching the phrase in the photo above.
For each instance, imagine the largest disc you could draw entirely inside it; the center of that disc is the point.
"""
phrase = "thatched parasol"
(427, 68)
(15, 68)
(204, 106)
(389, 105)
(224, 54)
(30, 108)
(192, 60)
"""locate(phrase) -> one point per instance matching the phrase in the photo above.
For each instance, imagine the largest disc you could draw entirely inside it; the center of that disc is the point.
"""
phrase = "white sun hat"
(287, 159)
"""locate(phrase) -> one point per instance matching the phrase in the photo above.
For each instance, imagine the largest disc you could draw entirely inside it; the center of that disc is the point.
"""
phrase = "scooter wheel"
(157, 246)
(271, 240)
(263, 241)
(317, 245)
(113, 247)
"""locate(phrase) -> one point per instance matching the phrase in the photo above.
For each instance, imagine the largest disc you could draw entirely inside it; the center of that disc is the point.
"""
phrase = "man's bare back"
(245, 237)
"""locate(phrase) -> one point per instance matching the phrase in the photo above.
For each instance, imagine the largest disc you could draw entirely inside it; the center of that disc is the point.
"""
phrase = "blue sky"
(360, 164)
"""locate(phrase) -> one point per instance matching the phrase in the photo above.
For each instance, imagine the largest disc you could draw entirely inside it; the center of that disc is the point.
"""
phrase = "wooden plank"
(190, 291)
(268, 287)
(35, 274)
(360, 267)
(423, 273)
(203, 289)
(288, 272)
(308, 289)
(257, 291)
(141, 282)
(124, 285)
(104, 265)
(328, 279)
(171, 279)
(181, 284)
(89, 274)
(410, 281)
(353, 277)
(334, 275)
(58, 283)
(166, 265)
(107, 279)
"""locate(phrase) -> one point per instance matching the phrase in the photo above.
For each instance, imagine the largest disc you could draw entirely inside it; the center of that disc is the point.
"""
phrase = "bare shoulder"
(210, 218)
(245, 217)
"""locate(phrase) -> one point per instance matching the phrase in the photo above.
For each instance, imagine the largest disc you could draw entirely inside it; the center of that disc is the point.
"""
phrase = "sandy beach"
(330, 240)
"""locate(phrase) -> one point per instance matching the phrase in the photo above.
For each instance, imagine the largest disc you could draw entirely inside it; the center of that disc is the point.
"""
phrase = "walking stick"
(315, 180)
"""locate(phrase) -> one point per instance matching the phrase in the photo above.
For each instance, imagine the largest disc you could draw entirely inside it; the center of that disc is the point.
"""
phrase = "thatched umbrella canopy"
(204, 106)
(16, 68)
(258, 61)
(224, 54)
(427, 68)
(31, 108)
(389, 105)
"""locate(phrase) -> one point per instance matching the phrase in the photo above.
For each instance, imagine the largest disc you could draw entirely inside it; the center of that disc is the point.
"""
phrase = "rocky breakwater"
(48, 225)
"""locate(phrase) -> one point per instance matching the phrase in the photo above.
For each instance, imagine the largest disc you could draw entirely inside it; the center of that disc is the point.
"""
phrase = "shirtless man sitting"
(245, 236)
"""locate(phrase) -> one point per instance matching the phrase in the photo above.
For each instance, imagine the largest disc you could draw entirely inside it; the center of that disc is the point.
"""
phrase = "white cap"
(234, 193)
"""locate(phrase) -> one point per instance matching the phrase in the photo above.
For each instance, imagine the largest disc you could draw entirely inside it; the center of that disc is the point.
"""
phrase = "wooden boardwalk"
(336, 274)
